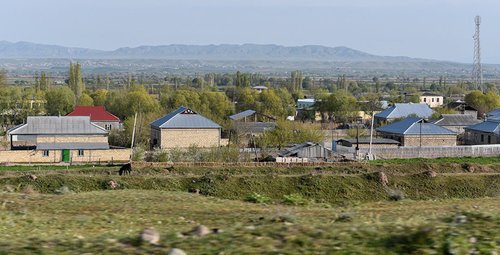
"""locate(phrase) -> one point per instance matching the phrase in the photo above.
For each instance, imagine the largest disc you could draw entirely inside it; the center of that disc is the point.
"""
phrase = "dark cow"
(125, 169)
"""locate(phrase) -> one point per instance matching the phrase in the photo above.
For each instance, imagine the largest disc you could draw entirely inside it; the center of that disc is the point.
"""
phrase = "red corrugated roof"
(96, 113)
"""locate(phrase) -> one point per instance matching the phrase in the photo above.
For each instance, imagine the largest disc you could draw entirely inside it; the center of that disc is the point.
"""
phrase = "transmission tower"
(477, 70)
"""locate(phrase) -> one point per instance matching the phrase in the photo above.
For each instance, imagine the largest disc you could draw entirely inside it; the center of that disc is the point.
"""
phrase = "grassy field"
(339, 209)
(110, 222)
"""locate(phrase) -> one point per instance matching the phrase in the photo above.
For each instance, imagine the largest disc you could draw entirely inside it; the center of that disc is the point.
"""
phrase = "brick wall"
(182, 138)
(430, 140)
(476, 137)
(72, 139)
(55, 156)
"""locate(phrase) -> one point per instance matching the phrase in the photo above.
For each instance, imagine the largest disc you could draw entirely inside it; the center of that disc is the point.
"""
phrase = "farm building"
(455, 122)
(462, 107)
(413, 131)
(60, 138)
(487, 132)
(304, 152)
(398, 111)
(98, 115)
(250, 121)
(365, 142)
(183, 128)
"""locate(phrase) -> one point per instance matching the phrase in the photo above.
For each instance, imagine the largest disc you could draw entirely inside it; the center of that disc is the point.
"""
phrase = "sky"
(433, 29)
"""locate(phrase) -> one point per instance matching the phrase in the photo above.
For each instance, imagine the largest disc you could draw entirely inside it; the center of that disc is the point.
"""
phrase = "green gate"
(65, 155)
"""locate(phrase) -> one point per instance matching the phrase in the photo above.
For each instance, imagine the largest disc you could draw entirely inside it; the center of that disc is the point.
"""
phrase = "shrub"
(295, 199)
(258, 199)
(138, 154)
(395, 194)
(159, 155)
(63, 190)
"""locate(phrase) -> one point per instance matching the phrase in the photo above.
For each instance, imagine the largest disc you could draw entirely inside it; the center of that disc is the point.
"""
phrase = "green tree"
(85, 100)
(75, 81)
(483, 102)
(60, 101)
(99, 97)
(3, 78)
(248, 100)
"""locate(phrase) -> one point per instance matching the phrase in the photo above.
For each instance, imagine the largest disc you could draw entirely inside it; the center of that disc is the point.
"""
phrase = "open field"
(340, 209)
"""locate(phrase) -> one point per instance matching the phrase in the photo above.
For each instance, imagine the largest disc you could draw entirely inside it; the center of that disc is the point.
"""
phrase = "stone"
(249, 227)
(460, 219)
(382, 178)
(200, 231)
(430, 174)
(150, 235)
(472, 240)
(32, 177)
(175, 251)
(113, 184)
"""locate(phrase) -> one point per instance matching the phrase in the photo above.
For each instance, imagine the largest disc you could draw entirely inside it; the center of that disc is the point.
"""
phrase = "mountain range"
(201, 52)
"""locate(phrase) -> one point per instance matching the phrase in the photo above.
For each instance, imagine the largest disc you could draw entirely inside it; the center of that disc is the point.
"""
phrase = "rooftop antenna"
(477, 71)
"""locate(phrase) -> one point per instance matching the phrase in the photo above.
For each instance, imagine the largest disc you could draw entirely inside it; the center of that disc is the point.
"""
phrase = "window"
(482, 138)
(489, 139)
(433, 100)
(107, 126)
(425, 100)
(80, 153)
(437, 99)
(45, 153)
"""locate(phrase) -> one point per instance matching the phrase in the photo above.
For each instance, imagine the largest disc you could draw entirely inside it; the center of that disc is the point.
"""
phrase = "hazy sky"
(436, 29)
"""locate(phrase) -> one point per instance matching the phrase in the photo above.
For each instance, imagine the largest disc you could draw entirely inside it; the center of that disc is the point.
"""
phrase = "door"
(65, 155)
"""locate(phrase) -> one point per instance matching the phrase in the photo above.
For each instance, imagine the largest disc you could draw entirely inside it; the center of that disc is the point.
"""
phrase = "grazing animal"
(125, 169)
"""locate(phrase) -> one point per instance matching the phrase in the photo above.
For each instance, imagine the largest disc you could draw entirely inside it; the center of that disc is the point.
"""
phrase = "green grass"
(110, 222)
(456, 160)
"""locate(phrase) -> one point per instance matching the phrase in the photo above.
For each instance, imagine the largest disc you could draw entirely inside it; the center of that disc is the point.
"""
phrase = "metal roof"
(367, 140)
(297, 148)
(413, 126)
(58, 125)
(184, 117)
(495, 118)
(487, 127)
(404, 110)
(96, 113)
(494, 112)
(242, 114)
(72, 146)
(455, 120)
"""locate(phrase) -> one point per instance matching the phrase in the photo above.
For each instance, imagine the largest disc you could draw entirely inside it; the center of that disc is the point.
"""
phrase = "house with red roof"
(98, 115)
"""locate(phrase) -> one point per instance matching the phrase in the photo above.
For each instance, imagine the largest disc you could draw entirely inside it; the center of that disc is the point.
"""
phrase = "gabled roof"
(58, 125)
(495, 118)
(494, 112)
(413, 126)
(487, 127)
(96, 113)
(404, 110)
(184, 117)
(455, 120)
(242, 114)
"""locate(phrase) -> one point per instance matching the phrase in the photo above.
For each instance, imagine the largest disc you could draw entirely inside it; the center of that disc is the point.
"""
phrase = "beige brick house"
(413, 131)
(183, 128)
(51, 139)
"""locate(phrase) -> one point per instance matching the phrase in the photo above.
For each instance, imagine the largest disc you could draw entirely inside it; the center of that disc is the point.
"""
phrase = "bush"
(159, 155)
(138, 154)
(295, 199)
(258, 199)
(395, 194)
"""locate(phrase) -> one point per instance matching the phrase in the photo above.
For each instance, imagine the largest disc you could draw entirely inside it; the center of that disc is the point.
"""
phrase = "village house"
(304, 152)
(432, 100)
(183, 128)
(414, 131)
(462, 107)
(98, 115)
(455, 122)
(50, 139)
(487, 132)
(402, 110)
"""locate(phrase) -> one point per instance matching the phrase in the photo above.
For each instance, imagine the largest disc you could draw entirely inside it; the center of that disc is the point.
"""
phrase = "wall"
(432, 101)
(434, 151)
(33, 156)
(183, 138)
(473, 137)
(72, 139)
(430, 140)
(114, 124)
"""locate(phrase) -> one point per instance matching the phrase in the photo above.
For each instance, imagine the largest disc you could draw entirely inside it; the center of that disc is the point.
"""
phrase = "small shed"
(365, 142)
(309, 150)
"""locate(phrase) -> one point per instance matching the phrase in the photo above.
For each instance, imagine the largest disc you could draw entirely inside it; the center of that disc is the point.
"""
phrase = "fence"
(492, 150)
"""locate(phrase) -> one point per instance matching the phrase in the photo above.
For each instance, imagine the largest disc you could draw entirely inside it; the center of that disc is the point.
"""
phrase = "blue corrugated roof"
(494, 112)
(184, 117)
(404, 110)
(242, 114)
(410, 126)
(495, 118)
(487, 127)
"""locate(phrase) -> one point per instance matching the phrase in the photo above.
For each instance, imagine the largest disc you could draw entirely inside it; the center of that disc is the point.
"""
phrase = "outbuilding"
(183, 128)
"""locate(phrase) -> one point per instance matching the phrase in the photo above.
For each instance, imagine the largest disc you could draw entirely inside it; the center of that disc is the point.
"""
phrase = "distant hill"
(202, 52)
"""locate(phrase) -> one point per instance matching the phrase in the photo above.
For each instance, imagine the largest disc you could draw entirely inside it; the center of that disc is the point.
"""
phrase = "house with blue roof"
(414, 131)
(183, 128)
(402, 110)
(486, 132)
